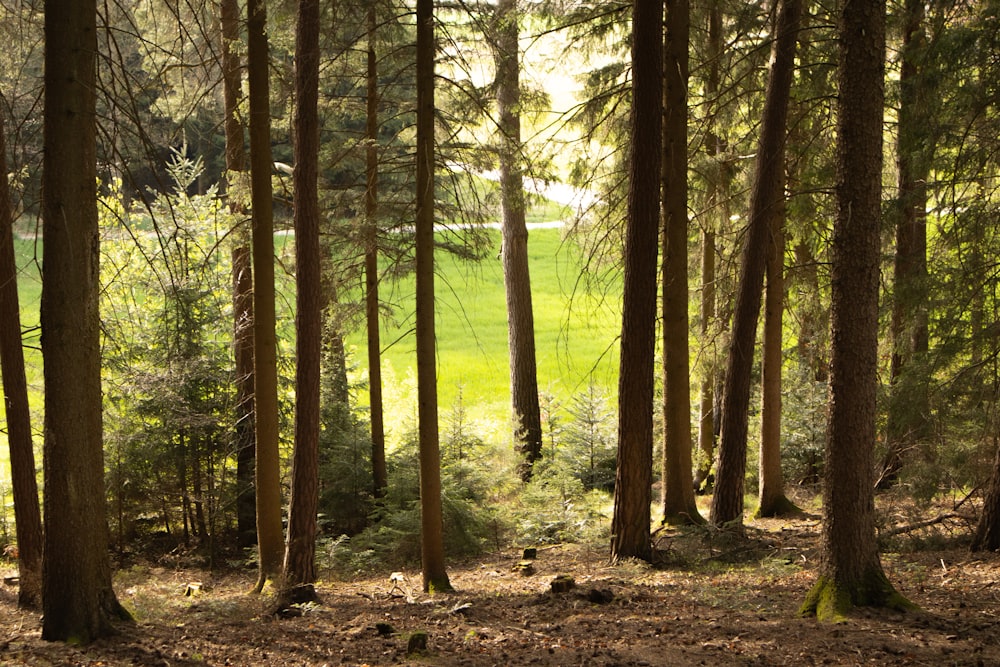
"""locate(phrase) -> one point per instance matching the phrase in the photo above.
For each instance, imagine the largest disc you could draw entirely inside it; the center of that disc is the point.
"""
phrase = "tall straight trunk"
(630, 524)
(766, 201)
(300, 552)
(773, 501)
(435, 576)
(78, 601)
(716, 198)
(380, 475)
(517, 280)
(270, 543)
(27, 514)
(850, 571)
(678, 482)
(242, 271)
(907, 421)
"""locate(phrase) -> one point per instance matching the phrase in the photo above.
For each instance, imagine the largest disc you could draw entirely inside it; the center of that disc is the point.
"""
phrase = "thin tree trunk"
(27, 514)
(851, 573)
(300, 553)
(246, 512)
(630, 536)
(716, 202)
(908, 405)
(678, 482)
(270, 542)
(435, 576)
(517, 280)
(773, 501)
(380, 475)
(766, 201)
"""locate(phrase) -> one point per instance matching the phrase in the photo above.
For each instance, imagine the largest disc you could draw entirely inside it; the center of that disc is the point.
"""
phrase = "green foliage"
(168, 371)
(803, 424)
(471, 491)
(555, 507)
(589, 440)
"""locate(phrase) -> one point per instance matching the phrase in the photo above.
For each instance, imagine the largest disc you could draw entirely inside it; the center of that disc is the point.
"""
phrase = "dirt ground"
(710, 602)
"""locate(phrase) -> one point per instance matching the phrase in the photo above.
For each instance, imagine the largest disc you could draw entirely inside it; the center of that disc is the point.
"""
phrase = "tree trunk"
(514, 253)
(907, 421)
(246, 512)
(78, 600)
(27, 514)
(380, 475)
(269, 531)
(630, 525)
(766, 201)
(987, 536)
(715, 201)
(771, 487)
(300, 553)
(851, 573)
(706, 397)
(435, 577)
(678, 482)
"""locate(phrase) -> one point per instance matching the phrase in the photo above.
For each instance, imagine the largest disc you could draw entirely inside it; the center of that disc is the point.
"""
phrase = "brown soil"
(713, 601)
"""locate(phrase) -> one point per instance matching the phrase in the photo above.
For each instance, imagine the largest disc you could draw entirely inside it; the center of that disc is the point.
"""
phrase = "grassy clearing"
(575, 333)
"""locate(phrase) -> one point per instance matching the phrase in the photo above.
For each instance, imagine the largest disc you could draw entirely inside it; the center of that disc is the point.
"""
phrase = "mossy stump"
(417, 644)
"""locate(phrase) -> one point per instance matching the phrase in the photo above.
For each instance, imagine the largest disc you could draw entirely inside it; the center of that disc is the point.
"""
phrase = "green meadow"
(575, 333)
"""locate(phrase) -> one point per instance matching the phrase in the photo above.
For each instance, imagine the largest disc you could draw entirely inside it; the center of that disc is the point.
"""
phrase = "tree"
(678, 483)
(630, 523)
(514, 252)
(715, 196)
(909, 408)
(246, 512)
(380, 477)
(772, 499)
(300, 553)
(269, 532)
(851, 574)
(78, 600)
(27, 515)
(435, 577)
(765, 202)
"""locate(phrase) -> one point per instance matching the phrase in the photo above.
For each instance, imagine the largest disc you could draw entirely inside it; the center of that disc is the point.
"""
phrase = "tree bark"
(270, 542)
(435, 576)
(380, 475)
(766, 201)
(78, 600)
(246, 512)
(300, 552)
(630, 524)
(771, 480)
(678, 482)
(27, 514)
(514, 253)
(717, 186)
(851, 573)
(987, 536)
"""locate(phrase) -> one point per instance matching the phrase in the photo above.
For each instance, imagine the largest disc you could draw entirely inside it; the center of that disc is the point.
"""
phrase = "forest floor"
(711, 601)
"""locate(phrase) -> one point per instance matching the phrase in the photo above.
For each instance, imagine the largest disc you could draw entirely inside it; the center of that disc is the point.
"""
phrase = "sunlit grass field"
(575, 333)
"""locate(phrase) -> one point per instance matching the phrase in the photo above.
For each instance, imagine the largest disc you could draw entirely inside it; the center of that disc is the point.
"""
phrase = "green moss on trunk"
(832, 601)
